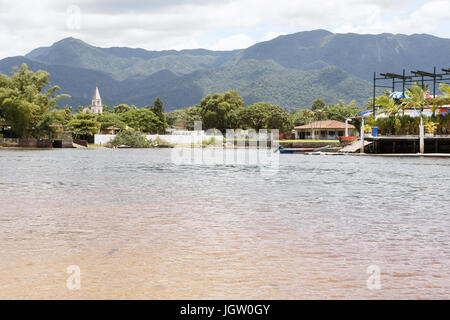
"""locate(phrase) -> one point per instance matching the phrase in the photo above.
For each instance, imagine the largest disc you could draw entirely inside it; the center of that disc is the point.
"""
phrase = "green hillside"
(268, 81)
(290, 70)
(123, 64)
(357, 54)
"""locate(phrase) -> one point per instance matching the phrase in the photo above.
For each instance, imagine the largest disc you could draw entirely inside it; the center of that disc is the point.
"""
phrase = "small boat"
(291, 151)
(308, 150)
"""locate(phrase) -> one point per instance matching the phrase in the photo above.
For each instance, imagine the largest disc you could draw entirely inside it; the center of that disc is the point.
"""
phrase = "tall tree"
(84, 125)
(158, 110)
(107, 120)
(142, 120)
(220, 111)
(25, 104)
(192, 114)
(317, 104)
(342, 111)
(184, 118)
(263, 115)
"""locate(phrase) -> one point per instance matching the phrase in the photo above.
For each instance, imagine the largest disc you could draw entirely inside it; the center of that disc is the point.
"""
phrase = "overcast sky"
(211, 24)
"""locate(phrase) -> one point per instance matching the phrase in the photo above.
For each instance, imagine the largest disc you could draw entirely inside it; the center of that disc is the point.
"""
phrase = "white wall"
(101, 139)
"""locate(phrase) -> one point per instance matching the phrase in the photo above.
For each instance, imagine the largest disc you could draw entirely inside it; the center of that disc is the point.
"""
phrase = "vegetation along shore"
(32, 109)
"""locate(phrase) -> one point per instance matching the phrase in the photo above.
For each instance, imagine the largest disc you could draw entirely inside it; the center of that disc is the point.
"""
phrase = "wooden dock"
(438, 144)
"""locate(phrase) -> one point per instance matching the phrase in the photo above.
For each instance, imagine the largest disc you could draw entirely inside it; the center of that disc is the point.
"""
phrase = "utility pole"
(422, 136)
(362, 136)
(374, 92)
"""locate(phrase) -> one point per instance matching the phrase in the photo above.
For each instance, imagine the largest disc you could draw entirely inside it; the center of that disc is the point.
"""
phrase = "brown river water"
(139, 226)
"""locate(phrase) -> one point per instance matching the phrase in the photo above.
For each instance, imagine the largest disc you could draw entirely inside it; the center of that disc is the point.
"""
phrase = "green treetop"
(220, 111)
(416, 98)
(263, 115)
(317, 104)
(121, 108)
(158, 110)
(24, 104)
(142, 120)
(84, 124)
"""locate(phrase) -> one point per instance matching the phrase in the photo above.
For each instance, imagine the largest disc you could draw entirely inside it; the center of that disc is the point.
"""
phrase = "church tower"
(97, 106)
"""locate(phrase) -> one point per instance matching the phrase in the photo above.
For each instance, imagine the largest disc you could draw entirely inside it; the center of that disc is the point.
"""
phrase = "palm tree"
(390, 106)
(303, 116)
(441, 100)
(445, 88)
(320, 114)
(416, 98)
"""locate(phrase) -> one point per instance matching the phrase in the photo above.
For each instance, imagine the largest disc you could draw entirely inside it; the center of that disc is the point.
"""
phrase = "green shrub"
(160, 142)
(131, 138)
(430, 126)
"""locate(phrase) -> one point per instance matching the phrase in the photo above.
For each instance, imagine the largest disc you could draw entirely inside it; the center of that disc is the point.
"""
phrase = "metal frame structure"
(417, 77)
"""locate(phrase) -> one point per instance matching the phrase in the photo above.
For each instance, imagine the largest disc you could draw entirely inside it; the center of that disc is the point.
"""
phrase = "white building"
(324, 130)
(96, 106)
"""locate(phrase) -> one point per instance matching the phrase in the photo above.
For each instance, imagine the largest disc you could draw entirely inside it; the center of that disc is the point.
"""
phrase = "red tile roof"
(327, 124)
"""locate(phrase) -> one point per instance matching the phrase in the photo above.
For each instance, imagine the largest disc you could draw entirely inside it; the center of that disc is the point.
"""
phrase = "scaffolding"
(418, 77)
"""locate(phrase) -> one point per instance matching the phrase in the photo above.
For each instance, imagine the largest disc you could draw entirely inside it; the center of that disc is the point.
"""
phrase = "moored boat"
(290, 151)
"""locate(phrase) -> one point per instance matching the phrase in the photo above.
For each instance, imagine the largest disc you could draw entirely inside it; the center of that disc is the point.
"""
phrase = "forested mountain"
(290, 70)
(358, 54)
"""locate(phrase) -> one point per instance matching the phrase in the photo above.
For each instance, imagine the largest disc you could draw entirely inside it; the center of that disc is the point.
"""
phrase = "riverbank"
(297, 145)
(389, 155)
(24, 148)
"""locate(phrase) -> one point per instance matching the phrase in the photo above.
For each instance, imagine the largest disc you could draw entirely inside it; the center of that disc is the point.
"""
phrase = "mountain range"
(290, 70)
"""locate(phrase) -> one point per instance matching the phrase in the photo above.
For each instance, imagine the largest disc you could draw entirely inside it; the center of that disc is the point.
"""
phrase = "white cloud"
(272, 35)
(223, 24)
(237, 41)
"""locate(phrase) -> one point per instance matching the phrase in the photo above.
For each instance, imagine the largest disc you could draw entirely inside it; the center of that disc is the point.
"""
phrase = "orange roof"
(327, 124)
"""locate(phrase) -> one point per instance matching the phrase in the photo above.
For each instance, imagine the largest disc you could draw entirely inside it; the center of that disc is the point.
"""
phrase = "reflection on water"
(139, 226)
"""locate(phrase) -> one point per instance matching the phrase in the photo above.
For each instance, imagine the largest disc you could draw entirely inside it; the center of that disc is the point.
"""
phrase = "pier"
(407, 144)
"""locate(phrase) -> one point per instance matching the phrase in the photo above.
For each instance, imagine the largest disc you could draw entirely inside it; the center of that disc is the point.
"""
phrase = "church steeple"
(97, 106)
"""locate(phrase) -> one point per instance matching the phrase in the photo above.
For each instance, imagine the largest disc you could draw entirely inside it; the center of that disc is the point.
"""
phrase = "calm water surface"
(139, 226)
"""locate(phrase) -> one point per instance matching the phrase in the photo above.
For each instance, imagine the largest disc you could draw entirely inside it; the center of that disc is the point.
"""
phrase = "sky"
(210, 24)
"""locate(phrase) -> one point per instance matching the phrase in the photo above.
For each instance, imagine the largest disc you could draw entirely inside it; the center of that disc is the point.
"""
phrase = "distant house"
(324, 130)
(96, 106)
(110, 130)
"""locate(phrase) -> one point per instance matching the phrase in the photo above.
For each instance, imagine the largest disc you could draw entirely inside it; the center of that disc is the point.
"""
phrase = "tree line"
(226, 111)
(30, 106)
(150, 119)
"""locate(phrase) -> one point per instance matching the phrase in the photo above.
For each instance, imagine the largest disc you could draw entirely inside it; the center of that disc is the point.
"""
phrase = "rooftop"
(326, 124)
